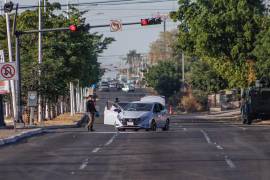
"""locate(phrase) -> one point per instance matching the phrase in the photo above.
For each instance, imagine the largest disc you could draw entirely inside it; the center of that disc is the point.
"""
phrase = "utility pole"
(1, 6)
(12, 83)
(18, 84)
(44, 6)
(71, 84)
(40, 117)
(164, 34)
(67, 8)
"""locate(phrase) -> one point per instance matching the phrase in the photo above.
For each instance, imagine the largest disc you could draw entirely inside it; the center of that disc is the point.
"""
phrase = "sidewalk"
(233, 115)
(228, 115)
(10, 135)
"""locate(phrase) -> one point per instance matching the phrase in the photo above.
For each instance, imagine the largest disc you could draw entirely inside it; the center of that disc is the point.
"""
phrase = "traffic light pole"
(108, 25)
(18, 84)
(18, 64)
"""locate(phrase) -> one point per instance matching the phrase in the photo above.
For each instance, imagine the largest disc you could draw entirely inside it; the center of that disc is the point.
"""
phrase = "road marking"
(219, 147)
(111, 140)
(84, 164)
(206, 137)
(229, 162)
(185, 129)
(95, 150)
(237, 126)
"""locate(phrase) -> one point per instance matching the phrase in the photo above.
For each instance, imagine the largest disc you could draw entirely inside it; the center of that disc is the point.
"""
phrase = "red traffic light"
(73, 28)
(151, 21)
(144, 22)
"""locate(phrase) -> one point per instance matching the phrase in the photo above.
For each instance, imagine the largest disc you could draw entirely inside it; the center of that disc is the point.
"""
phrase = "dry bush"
(190, 104)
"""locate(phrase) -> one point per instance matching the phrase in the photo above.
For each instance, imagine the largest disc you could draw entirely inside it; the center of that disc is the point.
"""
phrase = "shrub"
(190, 104)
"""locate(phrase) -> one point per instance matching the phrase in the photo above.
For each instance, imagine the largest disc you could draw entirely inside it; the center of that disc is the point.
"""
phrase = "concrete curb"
(20, 136)
(210, 118)
(37, 131)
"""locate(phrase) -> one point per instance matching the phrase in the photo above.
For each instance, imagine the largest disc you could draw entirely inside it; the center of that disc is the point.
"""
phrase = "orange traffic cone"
(170, 109)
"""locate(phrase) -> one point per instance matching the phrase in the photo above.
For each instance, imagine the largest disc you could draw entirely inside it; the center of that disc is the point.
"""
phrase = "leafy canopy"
(165, 77)
(222, 33)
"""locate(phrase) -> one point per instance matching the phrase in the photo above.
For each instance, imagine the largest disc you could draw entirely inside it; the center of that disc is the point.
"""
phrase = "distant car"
(128, 88)
(119, 86)
(148, 115)
(104, 86)
(113, 86)
(131, 87)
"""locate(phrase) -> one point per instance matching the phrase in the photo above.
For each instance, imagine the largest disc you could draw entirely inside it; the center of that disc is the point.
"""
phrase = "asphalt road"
(191, 150)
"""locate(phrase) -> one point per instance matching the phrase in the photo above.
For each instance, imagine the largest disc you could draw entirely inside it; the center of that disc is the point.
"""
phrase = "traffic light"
(73, 28)
(151, 21)
(144, 22)
(8, 7)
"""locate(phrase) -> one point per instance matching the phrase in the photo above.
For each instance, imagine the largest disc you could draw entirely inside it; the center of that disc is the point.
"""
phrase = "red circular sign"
(8, 71)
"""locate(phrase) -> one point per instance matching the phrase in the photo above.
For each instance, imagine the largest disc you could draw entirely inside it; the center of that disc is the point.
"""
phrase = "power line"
(97, 3)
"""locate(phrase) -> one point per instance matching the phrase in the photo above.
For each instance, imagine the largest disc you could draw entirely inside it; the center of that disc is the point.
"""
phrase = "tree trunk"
(72, 99)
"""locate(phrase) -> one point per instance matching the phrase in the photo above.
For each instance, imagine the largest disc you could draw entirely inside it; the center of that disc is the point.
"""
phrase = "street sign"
(8, 71)
(4, 87)
(116, 25)
(32, 98)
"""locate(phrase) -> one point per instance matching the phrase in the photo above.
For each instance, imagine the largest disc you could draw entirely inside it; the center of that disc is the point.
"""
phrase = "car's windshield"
(138, 107)
(122, 104)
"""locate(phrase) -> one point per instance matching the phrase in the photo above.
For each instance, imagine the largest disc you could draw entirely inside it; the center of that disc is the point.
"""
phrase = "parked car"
(148, 115)
(128, 88)
(104, 86)
(256, 102)
(120, 85)
(113, 86)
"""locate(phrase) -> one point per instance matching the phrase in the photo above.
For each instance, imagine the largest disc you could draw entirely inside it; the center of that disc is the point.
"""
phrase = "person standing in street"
(91, 111)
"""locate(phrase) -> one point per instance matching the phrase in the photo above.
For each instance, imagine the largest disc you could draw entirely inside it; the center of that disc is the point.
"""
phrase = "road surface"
(191, 150)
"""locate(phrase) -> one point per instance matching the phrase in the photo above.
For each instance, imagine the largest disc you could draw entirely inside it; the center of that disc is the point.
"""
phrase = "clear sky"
(131, 37)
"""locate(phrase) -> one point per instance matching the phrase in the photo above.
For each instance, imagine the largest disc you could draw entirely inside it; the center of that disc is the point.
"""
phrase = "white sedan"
(144, 114)
(128, 88)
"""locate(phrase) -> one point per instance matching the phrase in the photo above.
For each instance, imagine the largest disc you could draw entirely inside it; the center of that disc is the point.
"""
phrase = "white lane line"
(95, 150)
(206, 137)
(229, 162)
(239, 127)
(243, 128)
(84, 164)
(219, 147)
(111, 140)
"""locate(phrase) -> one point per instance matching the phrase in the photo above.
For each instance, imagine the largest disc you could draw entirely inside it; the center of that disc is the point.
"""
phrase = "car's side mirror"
(117, 110)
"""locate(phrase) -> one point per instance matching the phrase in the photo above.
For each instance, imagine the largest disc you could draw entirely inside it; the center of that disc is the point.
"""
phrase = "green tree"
(262, 50)
(202, 77)
(222, 33)
(164, 77)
